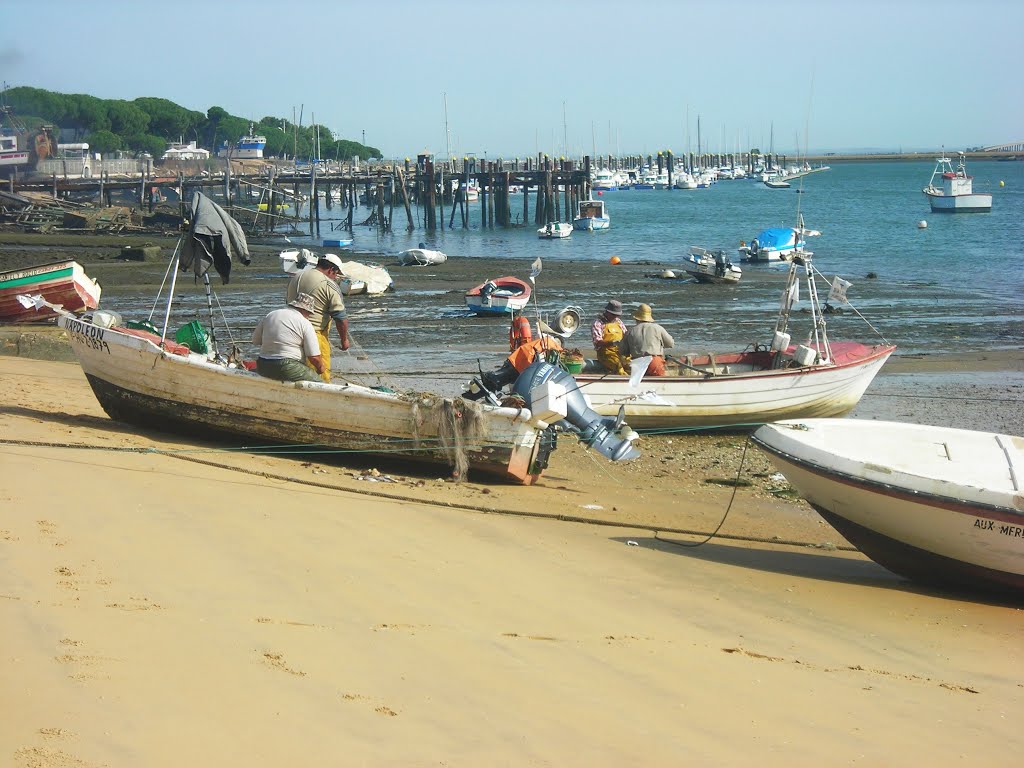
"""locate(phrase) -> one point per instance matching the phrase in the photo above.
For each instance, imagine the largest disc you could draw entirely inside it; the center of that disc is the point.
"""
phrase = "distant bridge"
(1017, 146)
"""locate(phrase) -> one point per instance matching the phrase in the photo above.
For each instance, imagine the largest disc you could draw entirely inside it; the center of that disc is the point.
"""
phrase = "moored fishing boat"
(934, 504)
(591, 216)
(60, 282)
(955, 192)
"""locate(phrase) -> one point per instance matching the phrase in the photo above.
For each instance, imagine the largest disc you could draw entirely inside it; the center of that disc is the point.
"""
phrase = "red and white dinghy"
(934, 504)
(62, 283)
(500, 296)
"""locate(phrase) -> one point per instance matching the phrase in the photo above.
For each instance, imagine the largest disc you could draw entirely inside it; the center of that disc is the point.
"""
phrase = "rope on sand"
(446, 504)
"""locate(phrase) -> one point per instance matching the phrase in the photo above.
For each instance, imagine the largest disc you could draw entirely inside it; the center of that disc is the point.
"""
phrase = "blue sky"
(524, 76)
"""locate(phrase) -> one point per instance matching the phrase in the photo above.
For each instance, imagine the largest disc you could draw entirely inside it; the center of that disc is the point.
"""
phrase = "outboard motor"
(593, 430)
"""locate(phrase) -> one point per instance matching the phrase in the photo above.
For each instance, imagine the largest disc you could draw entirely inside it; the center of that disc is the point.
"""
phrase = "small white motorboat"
(711, 266)
(555, 230)
(934, 504)
(421, 257)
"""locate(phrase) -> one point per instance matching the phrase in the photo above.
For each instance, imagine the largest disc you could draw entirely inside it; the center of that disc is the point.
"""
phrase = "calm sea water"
(956, 285)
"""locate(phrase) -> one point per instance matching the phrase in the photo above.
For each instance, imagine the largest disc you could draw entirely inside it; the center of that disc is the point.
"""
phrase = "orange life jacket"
(519, 333)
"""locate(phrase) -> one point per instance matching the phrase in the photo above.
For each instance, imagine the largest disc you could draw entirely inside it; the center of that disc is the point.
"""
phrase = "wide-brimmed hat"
(330, 260)
(304, 302)
(643, 314)
(613, 307)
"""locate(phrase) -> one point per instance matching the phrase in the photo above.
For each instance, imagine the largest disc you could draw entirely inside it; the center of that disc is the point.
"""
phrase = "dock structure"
(431, 194)
(279, 197)
(272, 197)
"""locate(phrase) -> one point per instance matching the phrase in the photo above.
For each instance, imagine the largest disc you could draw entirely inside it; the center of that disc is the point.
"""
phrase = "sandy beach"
(169, 602)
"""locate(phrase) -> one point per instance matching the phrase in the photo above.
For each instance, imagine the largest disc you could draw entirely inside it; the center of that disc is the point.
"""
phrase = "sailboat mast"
(565, 133)
(447, 133)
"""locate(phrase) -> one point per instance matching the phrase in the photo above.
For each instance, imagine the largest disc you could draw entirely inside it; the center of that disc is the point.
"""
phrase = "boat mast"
(447, 133)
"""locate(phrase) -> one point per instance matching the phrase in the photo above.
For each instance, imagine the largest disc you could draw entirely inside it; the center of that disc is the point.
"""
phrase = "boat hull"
(591, 223)
(705, 275)
(932, 504)
(972, 203)
(501, 296)
(745, 394)
(137, 382)
(421, 257)
(64, 283)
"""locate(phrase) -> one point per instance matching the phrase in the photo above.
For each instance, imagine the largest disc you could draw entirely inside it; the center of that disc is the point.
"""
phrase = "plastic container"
(194, 336)
(805, 355)
(574, 366)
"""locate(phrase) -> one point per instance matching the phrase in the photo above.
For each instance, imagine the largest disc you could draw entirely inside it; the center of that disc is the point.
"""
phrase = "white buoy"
(922, 224)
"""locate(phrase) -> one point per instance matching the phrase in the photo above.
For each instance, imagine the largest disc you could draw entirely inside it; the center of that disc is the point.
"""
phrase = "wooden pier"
(279, 198)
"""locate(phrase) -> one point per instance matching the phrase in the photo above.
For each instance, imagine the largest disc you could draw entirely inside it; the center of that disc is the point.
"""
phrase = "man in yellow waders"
(321, 283)
(606, 332)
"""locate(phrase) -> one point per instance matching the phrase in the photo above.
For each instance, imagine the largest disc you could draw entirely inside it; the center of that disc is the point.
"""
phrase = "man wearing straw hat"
(647, 339)
(321, 283)
(606, 332)
(285, 337)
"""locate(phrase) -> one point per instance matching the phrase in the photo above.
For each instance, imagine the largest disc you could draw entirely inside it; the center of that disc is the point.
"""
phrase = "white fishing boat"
(954, 192)
(144, 378)
(555, 230)
(933, 504)
(249, 147)
(711, 266)
(421, 257)
(10, 155)
(777, 380)
(591, 216)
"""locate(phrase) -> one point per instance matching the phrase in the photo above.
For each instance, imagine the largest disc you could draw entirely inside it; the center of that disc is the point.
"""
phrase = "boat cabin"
(591, 209)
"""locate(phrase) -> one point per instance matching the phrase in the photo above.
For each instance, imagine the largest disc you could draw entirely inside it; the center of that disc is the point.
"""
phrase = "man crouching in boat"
(286, 337)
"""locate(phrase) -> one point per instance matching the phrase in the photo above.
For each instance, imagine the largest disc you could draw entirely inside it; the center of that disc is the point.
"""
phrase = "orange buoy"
(616, 260)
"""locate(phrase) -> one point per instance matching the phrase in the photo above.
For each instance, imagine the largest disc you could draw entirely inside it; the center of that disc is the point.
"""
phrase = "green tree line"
(148, 124)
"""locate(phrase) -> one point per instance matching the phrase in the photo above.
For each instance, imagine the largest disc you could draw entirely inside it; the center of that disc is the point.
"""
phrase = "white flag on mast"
(838, 290)
(535, 270)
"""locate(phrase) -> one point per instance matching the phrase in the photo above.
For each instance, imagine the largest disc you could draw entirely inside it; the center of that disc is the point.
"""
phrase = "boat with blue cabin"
(249, 147)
